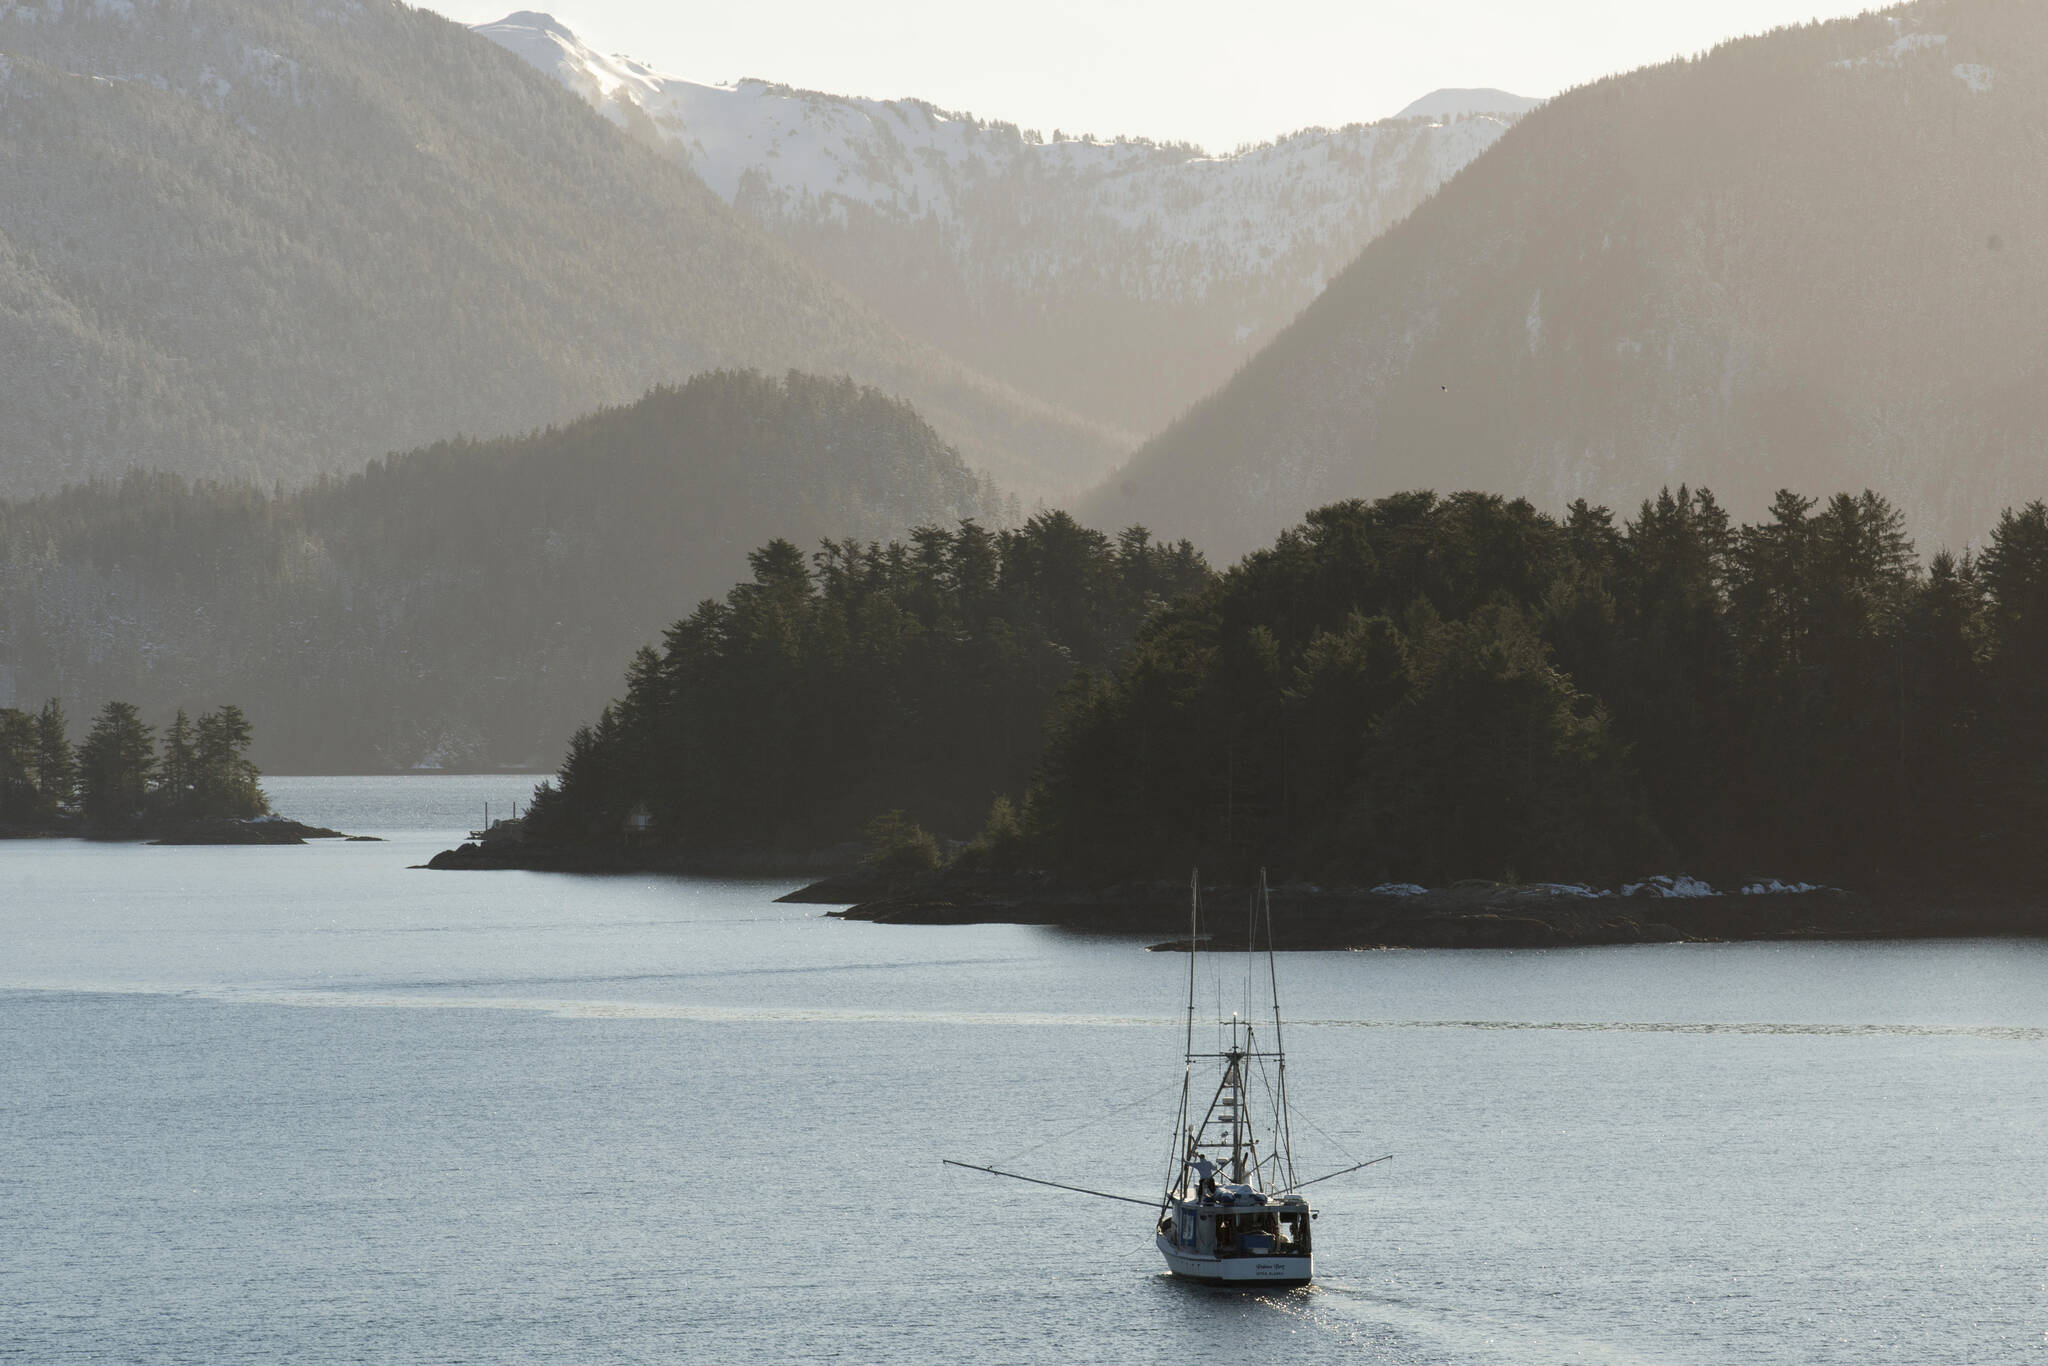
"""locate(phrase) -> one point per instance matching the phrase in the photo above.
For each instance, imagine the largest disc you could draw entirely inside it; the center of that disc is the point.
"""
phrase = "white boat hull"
(1245, 1273)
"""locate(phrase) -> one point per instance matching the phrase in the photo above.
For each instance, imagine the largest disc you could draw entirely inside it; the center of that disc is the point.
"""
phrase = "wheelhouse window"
(1263, 1235)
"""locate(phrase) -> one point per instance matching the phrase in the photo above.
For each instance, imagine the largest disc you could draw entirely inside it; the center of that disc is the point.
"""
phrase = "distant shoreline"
(258, 831)
(1477, 917)
(806, 865)
(1317, 918)
(537, 774)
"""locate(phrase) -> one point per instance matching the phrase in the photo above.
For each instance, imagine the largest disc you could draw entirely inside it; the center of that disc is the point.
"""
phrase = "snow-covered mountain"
(1451, 104)
(1121, 278)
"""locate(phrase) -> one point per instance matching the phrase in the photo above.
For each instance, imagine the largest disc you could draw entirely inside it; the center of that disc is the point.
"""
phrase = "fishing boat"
(1232, 1214)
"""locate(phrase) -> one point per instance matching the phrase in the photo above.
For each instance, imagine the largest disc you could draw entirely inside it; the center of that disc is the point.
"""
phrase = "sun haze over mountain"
(1209, 72)
(1805, 259)
(1447, 104)
(269, 237)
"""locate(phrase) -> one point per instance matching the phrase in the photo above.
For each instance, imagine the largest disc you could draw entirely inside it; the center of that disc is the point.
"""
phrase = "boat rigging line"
(1091, 1123)
(1056, 1185)
(1328, 1137)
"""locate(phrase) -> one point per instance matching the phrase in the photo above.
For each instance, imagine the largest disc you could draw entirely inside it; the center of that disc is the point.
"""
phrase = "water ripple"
(435, 996)
(2006, 1033)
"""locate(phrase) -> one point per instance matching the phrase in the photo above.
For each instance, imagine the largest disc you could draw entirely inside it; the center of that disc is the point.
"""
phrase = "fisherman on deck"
(1206, 1170)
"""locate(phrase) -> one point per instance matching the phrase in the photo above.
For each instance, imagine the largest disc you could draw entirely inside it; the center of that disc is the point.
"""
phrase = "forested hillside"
(1803, 259)
(264, 238)
(465, 604)
(826, 689)
(1419, 688)
(1429, 689)
(1115, 276)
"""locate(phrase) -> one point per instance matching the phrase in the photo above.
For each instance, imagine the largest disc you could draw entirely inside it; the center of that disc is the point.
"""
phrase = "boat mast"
(1194, 940)
(1234, 1079)
(1286, 1135)
(1251, 941)
(1227, 1128)
(1181, 1150)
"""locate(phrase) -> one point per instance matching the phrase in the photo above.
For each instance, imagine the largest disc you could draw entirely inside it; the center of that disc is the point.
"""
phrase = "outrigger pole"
(1329, 1175)
(1078, 1190)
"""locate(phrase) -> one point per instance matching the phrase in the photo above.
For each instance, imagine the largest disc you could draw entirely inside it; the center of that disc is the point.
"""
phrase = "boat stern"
(1237, 1246)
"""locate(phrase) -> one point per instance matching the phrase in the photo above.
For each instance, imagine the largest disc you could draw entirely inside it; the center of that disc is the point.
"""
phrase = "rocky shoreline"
(217, 830)
(500, 854)
(261, 830)
(1470, 916)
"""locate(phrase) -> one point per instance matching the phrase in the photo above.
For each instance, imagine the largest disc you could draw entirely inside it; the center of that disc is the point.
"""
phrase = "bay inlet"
(311, 1103)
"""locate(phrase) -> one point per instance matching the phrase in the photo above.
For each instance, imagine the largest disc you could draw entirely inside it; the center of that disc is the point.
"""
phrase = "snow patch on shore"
(1680, 886)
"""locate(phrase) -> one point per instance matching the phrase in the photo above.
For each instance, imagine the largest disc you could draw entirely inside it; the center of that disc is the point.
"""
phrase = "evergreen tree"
(115, 765)
(56, 765)
(178, 771)
(1674, 690)
(1943, 706)
(2014, 572)
(224, 782)
(17, 766)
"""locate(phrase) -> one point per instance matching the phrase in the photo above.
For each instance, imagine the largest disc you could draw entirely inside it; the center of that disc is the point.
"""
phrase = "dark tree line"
(865, 677)
(1435, 688)
(1424, 688)
(117, 780)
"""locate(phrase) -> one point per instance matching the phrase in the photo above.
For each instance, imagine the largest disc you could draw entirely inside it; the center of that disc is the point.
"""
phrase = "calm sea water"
(311, 1105)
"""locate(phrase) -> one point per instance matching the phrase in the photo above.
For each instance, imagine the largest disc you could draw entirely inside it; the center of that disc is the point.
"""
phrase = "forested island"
(116, 784)
(1418, 691)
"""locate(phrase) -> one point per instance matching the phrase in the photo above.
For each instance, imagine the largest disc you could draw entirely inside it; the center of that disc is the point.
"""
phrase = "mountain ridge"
(1119, 278)
(1452, 101)
(464, 604)
(244, 239)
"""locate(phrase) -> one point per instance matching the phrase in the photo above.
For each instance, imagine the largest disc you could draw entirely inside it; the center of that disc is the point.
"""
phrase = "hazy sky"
(1212, 72)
